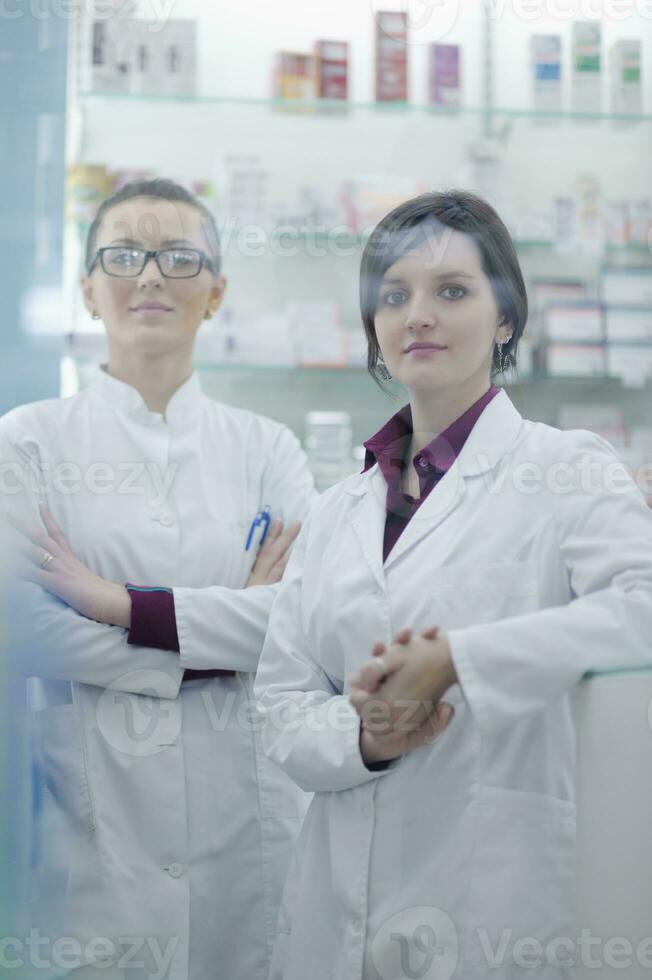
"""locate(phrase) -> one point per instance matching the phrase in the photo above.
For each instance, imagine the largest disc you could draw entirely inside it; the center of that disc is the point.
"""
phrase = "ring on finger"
(47, 558)
(382, 664)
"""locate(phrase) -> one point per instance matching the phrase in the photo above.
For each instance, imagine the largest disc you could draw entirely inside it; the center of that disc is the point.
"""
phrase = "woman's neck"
(434, 411)
(155, 377)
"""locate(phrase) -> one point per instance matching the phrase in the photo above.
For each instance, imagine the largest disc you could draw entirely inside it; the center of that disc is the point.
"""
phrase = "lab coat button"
(175, 870)
(356, 923)
(166, 519)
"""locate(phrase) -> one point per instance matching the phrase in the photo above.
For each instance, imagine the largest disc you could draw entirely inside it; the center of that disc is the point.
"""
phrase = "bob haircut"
(166, 190)
(408, 225)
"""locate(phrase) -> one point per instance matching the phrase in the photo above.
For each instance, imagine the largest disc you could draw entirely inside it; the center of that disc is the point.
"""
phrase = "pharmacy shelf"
(330, 105)
(286, 393)
(592, 250)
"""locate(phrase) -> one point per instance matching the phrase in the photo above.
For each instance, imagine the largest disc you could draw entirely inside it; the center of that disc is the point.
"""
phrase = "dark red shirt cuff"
(153, 620)
(154, 624)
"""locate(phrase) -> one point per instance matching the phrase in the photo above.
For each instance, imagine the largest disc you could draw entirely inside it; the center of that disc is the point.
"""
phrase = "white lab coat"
(157, 813)
(417, 870)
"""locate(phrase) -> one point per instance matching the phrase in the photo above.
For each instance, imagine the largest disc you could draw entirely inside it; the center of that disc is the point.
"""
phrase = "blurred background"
(300, 125)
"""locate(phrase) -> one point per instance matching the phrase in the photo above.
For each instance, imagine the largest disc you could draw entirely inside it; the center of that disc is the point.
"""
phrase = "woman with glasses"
(157, 815)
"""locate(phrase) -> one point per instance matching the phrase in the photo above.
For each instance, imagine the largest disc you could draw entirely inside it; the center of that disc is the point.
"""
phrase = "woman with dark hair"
(436, 615)
(156, 813)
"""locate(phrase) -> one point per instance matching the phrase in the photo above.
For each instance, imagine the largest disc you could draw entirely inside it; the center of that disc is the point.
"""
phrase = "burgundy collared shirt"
(389, 448)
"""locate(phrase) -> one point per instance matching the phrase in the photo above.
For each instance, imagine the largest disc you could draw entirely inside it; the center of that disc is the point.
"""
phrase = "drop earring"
(382, 371)
(502, 361)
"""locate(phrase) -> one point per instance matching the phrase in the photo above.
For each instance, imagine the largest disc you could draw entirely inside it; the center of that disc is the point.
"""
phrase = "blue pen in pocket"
(262, 519)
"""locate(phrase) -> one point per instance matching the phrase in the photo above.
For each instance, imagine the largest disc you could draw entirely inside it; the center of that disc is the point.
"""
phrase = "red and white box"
(391, 56)
(332, 69)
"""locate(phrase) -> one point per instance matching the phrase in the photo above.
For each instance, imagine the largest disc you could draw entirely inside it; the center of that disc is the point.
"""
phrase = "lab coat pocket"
(60, 766)
(482, 592)
(62, 805)
(523, 874)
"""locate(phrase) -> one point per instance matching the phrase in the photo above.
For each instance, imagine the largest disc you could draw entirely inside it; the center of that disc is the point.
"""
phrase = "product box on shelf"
(607, 421)
(587, 67)
(175, 61)
(632, 363)
(626, 77)
(87, 185)
(617, 228)
(266, 340)
(640, 222)
(391, 56)
(575, 322)
(628, 324)
(546, 292)
(375, 195)
(626, 287)
(545, 64)
(576, 360)
(564, 222)
(243, 182)
(332, 69)
(445, 75)
(629, 222)
(295, 75)
(329, 447)
(319, 339)
(104, 54)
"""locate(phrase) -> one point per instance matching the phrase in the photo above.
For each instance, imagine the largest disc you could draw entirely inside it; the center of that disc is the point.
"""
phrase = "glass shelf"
(357, 372)
(583, 249)
(330, 105)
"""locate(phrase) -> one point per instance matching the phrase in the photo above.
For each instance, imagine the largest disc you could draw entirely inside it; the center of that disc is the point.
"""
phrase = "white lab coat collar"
(491, 437)
(184, 407)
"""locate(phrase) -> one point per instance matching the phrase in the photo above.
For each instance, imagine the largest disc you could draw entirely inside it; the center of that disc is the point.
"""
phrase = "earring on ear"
(95, 315)
(383, 372)
(208, 315)
(501, 361)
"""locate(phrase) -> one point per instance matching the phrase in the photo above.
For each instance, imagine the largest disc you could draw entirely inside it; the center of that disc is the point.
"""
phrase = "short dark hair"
(167, 190)
(462, 211)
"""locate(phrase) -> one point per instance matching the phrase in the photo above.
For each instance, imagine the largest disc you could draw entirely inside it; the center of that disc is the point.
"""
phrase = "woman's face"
(150, 312)
(437, 320)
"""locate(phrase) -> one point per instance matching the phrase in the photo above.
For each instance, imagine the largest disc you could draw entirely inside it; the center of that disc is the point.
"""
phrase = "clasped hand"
(398, 694)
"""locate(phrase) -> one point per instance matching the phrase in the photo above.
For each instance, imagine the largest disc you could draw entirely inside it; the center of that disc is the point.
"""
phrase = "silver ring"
(383, 665)
(47, 558)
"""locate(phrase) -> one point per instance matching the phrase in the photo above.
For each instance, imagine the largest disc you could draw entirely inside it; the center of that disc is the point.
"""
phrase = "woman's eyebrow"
(164, 241)
(453, 274)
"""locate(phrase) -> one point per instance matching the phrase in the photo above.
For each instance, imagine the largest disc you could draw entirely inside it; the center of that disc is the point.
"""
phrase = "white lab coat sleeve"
(56, 641)
(309, 728)
(511, 668)
(224, 628)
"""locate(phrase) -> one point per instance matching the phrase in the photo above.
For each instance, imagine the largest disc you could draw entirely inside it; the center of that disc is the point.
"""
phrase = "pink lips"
(423, 349)
(151, 309)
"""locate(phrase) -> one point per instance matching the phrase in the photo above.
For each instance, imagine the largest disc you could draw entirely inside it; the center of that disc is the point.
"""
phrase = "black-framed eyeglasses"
(126, 262)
